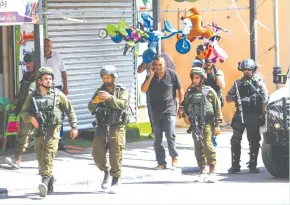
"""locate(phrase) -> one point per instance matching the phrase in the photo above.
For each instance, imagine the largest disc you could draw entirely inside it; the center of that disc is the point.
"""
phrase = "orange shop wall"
(237, 45)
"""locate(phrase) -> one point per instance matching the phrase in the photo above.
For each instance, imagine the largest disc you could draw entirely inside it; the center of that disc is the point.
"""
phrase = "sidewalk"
(72, 169)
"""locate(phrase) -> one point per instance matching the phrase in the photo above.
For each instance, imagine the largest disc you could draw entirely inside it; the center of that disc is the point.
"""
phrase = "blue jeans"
(149, 109)
(166, 124)
(61, 131)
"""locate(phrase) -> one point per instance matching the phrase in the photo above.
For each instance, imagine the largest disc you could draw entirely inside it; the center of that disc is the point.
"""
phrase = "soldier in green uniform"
(27, 85)
(43, 109)
(202, 112)
(109, 105)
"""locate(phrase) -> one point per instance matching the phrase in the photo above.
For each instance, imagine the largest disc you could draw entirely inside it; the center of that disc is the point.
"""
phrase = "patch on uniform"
(71, 149)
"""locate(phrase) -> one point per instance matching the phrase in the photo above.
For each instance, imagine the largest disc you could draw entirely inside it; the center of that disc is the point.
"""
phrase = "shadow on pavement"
(35, 196)
(246, 177)
(162, 182)
(138, 167)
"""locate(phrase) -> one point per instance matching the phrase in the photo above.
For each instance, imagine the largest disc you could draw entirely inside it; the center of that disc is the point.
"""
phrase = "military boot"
(114, 185)
(236, 154)
(50, 190)
(105, 183)
(254, 151)
(15, 161)
(43, 186)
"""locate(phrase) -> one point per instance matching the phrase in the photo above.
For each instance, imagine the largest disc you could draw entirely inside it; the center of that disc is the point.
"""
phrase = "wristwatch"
(75, 127)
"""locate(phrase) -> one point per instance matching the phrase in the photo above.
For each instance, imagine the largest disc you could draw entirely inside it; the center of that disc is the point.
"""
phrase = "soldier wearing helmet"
(109, 105)
(202, 112)
(250, 96)
(27, 85)
(43, 108)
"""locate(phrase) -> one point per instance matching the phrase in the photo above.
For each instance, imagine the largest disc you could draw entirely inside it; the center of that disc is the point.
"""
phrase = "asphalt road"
(172, 186)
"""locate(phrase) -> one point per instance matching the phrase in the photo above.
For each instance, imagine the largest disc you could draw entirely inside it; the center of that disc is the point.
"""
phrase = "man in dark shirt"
(161, 85)
(144, 66)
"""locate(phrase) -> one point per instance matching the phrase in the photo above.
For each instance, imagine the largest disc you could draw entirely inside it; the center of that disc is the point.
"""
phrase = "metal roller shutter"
(84, 53)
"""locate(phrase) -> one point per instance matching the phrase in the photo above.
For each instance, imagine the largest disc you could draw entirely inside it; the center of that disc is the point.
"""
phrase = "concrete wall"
(237, 45)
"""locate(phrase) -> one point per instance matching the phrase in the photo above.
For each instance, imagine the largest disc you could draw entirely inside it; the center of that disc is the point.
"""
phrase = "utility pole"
(156, 21)
(38, 38)
(253, 30)
(276, 36)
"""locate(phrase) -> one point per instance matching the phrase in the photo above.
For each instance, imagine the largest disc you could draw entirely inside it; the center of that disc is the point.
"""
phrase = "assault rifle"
(239, 102)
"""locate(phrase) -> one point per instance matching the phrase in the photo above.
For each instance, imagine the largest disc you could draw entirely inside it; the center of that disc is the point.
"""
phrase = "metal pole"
(38, 38)
(253, 30)
(156, 21)
(5, 59)
(276, 36)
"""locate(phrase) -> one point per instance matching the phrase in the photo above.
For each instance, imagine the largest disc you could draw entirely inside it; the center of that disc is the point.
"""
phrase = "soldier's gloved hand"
(34, 122)
(262, 120)
(73, 133)
(98, 99)
(217, 131)
(104, 95)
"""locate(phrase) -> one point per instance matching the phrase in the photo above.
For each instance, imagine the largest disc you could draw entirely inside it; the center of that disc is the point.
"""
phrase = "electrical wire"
(261, 4)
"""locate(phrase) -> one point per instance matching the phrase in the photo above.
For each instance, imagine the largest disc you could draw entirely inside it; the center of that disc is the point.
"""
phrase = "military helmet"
(109, 70)
(197, 63)
(45, 70)
(247, 64)
(29, 57)
(199, 71)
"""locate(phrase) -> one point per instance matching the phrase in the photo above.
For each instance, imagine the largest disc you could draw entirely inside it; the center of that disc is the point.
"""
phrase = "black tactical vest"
(110, 116)
(48, 105)
(250, 98)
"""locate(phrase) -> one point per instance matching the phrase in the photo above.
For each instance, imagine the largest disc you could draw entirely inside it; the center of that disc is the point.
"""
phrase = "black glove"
(262, 120)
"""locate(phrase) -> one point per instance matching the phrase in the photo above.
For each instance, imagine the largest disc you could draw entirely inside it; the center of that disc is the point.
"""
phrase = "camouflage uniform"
(110, 135)
(204, 151)
(253, 94)
(46, 145)
(27, 86)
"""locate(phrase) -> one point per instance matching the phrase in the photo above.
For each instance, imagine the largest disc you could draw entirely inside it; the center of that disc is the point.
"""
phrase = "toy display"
(123, 31)
(192, 30)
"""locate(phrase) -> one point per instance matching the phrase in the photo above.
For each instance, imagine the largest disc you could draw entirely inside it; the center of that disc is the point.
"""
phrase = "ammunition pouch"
(262, 120)
(102, 116)
(116, 117)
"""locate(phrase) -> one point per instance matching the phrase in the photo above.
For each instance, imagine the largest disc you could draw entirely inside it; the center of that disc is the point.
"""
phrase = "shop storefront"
(73, 27)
